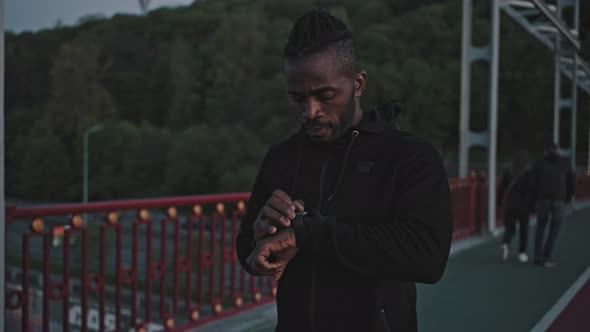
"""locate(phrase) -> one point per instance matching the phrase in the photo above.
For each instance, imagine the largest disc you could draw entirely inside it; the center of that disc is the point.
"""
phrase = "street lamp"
(143, 5)
(87, 132)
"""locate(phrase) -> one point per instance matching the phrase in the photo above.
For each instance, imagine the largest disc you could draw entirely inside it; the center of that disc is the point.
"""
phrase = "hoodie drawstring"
(355, 134)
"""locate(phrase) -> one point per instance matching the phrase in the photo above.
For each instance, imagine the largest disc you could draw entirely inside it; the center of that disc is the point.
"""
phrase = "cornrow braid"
(318, 30)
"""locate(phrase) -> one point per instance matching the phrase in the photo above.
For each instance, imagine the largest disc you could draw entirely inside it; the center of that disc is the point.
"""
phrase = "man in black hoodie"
(554, 187)
(515, 194)
(349, 212)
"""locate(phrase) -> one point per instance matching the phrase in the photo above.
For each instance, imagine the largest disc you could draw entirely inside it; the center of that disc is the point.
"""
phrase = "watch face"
(298, 219)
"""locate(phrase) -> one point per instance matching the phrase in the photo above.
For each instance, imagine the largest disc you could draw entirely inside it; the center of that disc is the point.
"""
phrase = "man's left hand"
(282, 246)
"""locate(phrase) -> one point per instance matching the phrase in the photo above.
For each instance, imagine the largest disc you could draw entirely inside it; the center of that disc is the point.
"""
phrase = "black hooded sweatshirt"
(553, 179)
(517, 189)
(379, 220)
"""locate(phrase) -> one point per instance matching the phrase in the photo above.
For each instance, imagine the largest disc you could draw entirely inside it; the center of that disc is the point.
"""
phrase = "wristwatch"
(299, 228)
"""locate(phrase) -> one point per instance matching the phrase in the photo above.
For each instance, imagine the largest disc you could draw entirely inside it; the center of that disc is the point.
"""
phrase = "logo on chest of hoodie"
(364, 166)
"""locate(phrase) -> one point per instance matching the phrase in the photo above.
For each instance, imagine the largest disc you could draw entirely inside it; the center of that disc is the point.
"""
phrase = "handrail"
(108, 206)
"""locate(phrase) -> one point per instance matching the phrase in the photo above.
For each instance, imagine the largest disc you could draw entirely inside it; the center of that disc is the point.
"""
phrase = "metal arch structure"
(548, 24)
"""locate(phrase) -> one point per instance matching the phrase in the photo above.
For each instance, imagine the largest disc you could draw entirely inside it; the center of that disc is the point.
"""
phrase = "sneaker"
(523, 257)
(504, 252)
(549, 264)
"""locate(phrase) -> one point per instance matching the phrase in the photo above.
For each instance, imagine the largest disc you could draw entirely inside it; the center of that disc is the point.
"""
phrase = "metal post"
(577, 18)
(85, 170)
(488, 138)
(574, 94)
(557, 100)
(588, 165)
(2, 204)
(556, 92)
(465, 89)
(493, 119)
(574, 113)
(87, 133)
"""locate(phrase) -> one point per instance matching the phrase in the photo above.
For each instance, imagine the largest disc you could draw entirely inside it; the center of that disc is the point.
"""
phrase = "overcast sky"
(21, 15)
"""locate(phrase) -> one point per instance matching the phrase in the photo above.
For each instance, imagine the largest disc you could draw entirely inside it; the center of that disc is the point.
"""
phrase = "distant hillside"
(192, 97)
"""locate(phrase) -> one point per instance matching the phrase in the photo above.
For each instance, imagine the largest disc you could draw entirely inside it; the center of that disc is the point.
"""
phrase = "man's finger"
(282, 196)
(277, 218)
(299, 205)
(264, 266)
(287, 210)
(259, 263)
(262, 228)
(274, 217)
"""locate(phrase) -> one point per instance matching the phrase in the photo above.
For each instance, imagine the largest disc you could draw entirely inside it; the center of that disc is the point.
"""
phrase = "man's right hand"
(277, 213)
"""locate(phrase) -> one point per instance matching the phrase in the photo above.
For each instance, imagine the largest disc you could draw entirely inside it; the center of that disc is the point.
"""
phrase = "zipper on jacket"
(314, 249)
(355, 134)
(321, 206)
(384, 321)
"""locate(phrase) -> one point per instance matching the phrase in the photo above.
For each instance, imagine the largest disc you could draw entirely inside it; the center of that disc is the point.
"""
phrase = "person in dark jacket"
(554, 187)
(349, 212)
(514, 192)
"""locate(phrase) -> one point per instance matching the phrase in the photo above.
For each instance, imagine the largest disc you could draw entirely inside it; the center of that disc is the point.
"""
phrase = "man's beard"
(347, 117)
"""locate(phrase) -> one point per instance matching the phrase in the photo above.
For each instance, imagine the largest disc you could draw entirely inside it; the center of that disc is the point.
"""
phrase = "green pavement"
(267, 326)
(480, 293)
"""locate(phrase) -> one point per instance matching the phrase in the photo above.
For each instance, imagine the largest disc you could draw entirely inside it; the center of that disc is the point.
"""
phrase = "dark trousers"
(552, 213)
(511, 218)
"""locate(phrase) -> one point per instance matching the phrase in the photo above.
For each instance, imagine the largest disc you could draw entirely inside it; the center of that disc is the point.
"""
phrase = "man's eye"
(326, 96)
(296, 99)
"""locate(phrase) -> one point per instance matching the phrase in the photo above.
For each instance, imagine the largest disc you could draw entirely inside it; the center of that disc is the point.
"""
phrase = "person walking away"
(554, 186)
(515, 194)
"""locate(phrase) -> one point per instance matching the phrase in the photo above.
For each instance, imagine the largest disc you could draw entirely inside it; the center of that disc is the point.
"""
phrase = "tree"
(77, 98)
(44, 168)
(205, 160)
(184, 101)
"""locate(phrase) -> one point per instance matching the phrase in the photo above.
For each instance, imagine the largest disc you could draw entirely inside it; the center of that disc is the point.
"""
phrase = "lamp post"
(87, 133)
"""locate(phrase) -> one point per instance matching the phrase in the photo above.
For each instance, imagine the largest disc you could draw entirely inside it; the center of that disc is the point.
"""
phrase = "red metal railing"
(196, 276)
(159, 263)
(466, 205)
(583, 187)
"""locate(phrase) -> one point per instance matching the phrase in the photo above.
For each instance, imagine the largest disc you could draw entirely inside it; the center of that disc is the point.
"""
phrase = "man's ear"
(360, 82)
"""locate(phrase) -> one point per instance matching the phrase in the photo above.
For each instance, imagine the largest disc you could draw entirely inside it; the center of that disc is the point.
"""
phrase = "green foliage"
(203, 158)
(44, 169)
(117, 163)
(192, 97)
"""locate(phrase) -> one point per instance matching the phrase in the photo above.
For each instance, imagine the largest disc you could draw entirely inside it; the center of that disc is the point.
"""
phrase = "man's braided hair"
(317, 31)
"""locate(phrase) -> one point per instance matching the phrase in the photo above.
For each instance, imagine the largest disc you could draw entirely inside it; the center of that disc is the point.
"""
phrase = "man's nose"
(312, 109)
